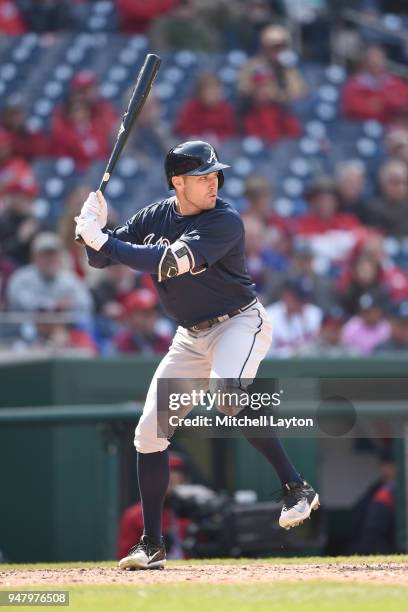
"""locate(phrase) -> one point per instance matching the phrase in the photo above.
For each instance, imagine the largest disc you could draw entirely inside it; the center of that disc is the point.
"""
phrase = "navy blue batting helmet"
(193, 158)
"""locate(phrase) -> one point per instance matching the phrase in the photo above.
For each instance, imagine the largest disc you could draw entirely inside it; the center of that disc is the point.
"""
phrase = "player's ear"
(177, 182)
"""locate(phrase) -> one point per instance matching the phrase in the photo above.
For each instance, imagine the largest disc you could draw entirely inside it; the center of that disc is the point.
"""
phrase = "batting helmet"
(193, 158)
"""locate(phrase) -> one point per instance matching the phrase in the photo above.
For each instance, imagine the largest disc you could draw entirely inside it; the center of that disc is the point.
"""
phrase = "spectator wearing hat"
(45, 284)
(398, 340)
(369, 327)
(389, 210)
(11, 20)
(136, 16)
(207, 114)
(13, 170)
(25, 143)
(141, 330)
(273, 67)
(330, 232)
(18, 224)
(295, 320)
(174, 526)
(373, 92)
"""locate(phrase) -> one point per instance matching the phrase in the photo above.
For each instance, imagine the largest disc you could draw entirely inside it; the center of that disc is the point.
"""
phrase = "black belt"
(210, 322)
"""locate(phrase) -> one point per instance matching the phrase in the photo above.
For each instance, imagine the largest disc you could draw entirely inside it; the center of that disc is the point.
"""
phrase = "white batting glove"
(95, 207)
(91, 233)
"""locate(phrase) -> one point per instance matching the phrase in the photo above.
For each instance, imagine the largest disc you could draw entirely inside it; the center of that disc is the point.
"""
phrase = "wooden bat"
(144, 82)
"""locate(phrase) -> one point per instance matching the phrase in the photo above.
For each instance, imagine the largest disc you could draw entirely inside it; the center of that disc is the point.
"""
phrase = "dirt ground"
(384, 573)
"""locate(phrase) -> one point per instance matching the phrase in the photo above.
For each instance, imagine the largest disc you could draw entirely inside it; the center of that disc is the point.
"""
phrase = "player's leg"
(152, 456)
(239, 347)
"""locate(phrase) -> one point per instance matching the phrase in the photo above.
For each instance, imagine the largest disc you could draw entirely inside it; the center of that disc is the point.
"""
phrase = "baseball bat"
(144, 82)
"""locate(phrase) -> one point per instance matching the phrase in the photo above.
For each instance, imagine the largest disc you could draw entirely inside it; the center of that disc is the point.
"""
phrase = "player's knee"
(229, 394)
(149, 445)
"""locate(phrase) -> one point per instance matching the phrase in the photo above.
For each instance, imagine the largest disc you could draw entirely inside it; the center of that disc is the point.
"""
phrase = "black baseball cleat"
(145, 555)
(299, 499)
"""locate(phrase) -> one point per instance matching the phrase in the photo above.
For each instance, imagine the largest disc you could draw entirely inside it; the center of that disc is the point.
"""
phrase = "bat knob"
(79, 239)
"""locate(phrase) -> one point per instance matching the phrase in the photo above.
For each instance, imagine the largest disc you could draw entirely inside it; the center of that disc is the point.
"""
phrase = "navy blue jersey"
(220, 282)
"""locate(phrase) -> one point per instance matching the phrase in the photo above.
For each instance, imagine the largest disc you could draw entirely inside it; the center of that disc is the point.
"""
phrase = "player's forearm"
(144, 258)
(97, 259)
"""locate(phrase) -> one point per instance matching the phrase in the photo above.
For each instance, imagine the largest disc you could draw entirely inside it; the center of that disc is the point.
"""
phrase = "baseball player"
(193, 246)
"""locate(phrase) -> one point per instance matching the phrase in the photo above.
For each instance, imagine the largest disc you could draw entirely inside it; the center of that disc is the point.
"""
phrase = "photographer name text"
(237, 421)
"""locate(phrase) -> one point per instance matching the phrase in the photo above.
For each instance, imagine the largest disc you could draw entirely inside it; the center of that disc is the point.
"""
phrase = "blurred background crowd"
(307, 101)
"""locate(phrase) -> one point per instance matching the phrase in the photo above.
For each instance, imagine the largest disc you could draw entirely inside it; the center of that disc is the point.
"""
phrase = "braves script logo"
(159, 242)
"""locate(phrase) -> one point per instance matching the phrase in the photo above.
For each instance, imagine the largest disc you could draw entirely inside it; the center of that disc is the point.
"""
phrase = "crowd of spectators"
(324, 273)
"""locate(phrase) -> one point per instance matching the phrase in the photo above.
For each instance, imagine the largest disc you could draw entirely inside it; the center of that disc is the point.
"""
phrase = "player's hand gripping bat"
(140, 92)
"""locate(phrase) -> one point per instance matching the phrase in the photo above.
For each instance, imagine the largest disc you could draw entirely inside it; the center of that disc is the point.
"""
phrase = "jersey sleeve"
(131, 231)
(214, 237)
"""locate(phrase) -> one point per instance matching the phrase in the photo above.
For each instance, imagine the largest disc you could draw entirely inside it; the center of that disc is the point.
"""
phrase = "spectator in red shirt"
(76, 133)
(174, 527)
(11, 21)
(331, 233)
(135, 16)
(24, 142)
(271, 121)
(373, 92)
(82, 127)
(141, 334)
(13, 170)
(207, 114)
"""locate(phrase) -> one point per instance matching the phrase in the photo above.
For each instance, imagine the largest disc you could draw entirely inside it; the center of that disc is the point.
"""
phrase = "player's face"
(197, 193)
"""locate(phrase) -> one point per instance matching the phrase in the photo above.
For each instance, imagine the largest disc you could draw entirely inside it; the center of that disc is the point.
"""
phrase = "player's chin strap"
(177, 259)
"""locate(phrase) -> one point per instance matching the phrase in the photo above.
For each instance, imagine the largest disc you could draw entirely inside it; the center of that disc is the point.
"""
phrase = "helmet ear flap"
(220, 179)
